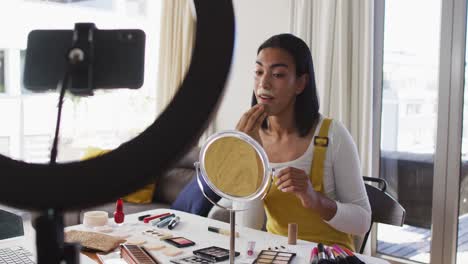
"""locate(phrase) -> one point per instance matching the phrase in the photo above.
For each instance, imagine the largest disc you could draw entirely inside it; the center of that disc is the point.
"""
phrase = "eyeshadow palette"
(214, 254)
(192, 259)
(134, 254)
(179, 242)
(275, 257)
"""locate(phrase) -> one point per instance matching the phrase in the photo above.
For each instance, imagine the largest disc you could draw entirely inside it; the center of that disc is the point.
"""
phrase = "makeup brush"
(322, 256)
(340, 250)
(339, 258)
(343, 254)
(330, 255)
(314, 256)
(351, 257)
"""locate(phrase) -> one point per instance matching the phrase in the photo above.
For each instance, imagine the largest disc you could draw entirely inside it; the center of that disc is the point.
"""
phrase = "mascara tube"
(164, 222)
(174, 221)
(160, 219)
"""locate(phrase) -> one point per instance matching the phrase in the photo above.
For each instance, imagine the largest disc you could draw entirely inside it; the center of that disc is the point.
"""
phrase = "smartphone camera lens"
(127, 36)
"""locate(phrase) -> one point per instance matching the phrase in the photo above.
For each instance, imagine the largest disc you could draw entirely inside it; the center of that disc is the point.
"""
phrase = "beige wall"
(256, 20)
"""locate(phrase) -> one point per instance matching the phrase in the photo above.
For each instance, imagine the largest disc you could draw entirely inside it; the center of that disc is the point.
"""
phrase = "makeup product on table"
(173, 223)
(154, 246)
(271, 256)
(157, 234)
(164, 222)
(141, 217)
(330, 255)
(313, 256)
(119, 214)
(135, 241)
(250, 248)
(172, 252)
(292, 233)
(338, 257)
(322, 256)
(95, 218)
(221, 231)
(349, 255)
(156, 221)
(179, 242)
(133, 254)
(214, 253)
(151, 217)
(191, 259)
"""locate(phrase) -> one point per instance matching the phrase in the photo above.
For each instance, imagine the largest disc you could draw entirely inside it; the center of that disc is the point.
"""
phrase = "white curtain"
(178, 27)
(175, 50)
(340, 35)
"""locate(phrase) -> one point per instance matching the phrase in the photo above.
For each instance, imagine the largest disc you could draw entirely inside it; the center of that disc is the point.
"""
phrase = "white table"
(195, 228)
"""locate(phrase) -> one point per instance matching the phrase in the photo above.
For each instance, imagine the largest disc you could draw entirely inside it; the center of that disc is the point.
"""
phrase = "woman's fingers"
(254, 120)
(260, 121)
(292, 179)
(241, 125)
(290, 170)
(292, 186)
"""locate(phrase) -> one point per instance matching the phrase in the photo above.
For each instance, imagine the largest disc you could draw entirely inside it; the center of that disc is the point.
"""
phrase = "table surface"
(195, 228)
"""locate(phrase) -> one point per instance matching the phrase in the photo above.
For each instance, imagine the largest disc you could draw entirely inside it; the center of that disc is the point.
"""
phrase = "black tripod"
(51, 247)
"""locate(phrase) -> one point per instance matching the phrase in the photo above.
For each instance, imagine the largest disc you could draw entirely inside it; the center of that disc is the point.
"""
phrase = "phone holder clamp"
(80, 59)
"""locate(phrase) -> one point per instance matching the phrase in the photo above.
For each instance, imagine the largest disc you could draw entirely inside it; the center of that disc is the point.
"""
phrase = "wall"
(255, 22)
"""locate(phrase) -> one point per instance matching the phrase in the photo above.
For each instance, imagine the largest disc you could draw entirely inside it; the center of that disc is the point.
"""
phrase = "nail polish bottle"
(119, 214)
(250, 248)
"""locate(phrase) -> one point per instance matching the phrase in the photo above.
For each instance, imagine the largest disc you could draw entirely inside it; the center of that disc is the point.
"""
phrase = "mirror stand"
(232, 246)
(232, 216)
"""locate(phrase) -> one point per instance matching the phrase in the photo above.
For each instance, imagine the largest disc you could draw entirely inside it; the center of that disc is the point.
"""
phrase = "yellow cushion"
(142, 196)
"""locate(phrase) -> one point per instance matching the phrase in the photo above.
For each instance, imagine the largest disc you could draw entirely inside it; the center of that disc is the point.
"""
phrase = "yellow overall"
(283, 208)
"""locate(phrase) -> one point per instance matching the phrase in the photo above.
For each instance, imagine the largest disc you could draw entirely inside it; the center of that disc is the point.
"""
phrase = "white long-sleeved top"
(342, 183)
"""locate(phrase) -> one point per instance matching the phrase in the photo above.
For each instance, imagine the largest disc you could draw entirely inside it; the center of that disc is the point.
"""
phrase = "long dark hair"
(306, 108)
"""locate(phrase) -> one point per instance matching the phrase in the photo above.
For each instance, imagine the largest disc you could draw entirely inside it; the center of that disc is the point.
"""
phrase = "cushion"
(141, 196)
(191, 199)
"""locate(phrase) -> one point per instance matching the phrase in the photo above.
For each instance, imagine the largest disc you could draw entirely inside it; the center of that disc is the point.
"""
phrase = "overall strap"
(320, 153)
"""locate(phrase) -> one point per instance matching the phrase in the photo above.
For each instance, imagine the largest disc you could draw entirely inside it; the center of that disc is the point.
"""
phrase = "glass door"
(409, 123)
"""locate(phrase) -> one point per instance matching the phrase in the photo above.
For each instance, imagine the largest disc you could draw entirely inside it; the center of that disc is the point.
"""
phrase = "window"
(104, 120)
(413, 109)
(408, 122)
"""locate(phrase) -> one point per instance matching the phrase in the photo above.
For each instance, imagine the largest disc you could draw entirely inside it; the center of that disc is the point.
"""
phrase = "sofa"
(168, 186)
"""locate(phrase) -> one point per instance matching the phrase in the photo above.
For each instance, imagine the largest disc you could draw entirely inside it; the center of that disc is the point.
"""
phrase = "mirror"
(234, 166)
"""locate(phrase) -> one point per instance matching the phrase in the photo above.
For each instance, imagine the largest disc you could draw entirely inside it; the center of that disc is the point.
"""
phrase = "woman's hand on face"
(296, 181)
(251, 122)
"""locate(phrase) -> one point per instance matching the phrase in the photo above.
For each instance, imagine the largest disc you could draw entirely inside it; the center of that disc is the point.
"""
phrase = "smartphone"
(118, 58)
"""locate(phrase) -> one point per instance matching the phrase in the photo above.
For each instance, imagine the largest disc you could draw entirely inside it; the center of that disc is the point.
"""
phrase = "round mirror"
(235, 166)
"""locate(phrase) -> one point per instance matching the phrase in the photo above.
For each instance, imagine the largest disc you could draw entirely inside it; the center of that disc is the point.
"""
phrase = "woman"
(318, 180)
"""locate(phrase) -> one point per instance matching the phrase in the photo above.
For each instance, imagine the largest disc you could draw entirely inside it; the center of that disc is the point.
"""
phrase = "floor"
(415, 243)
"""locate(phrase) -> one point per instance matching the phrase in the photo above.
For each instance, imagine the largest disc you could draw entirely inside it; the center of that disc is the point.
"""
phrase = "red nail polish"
(119, 214)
